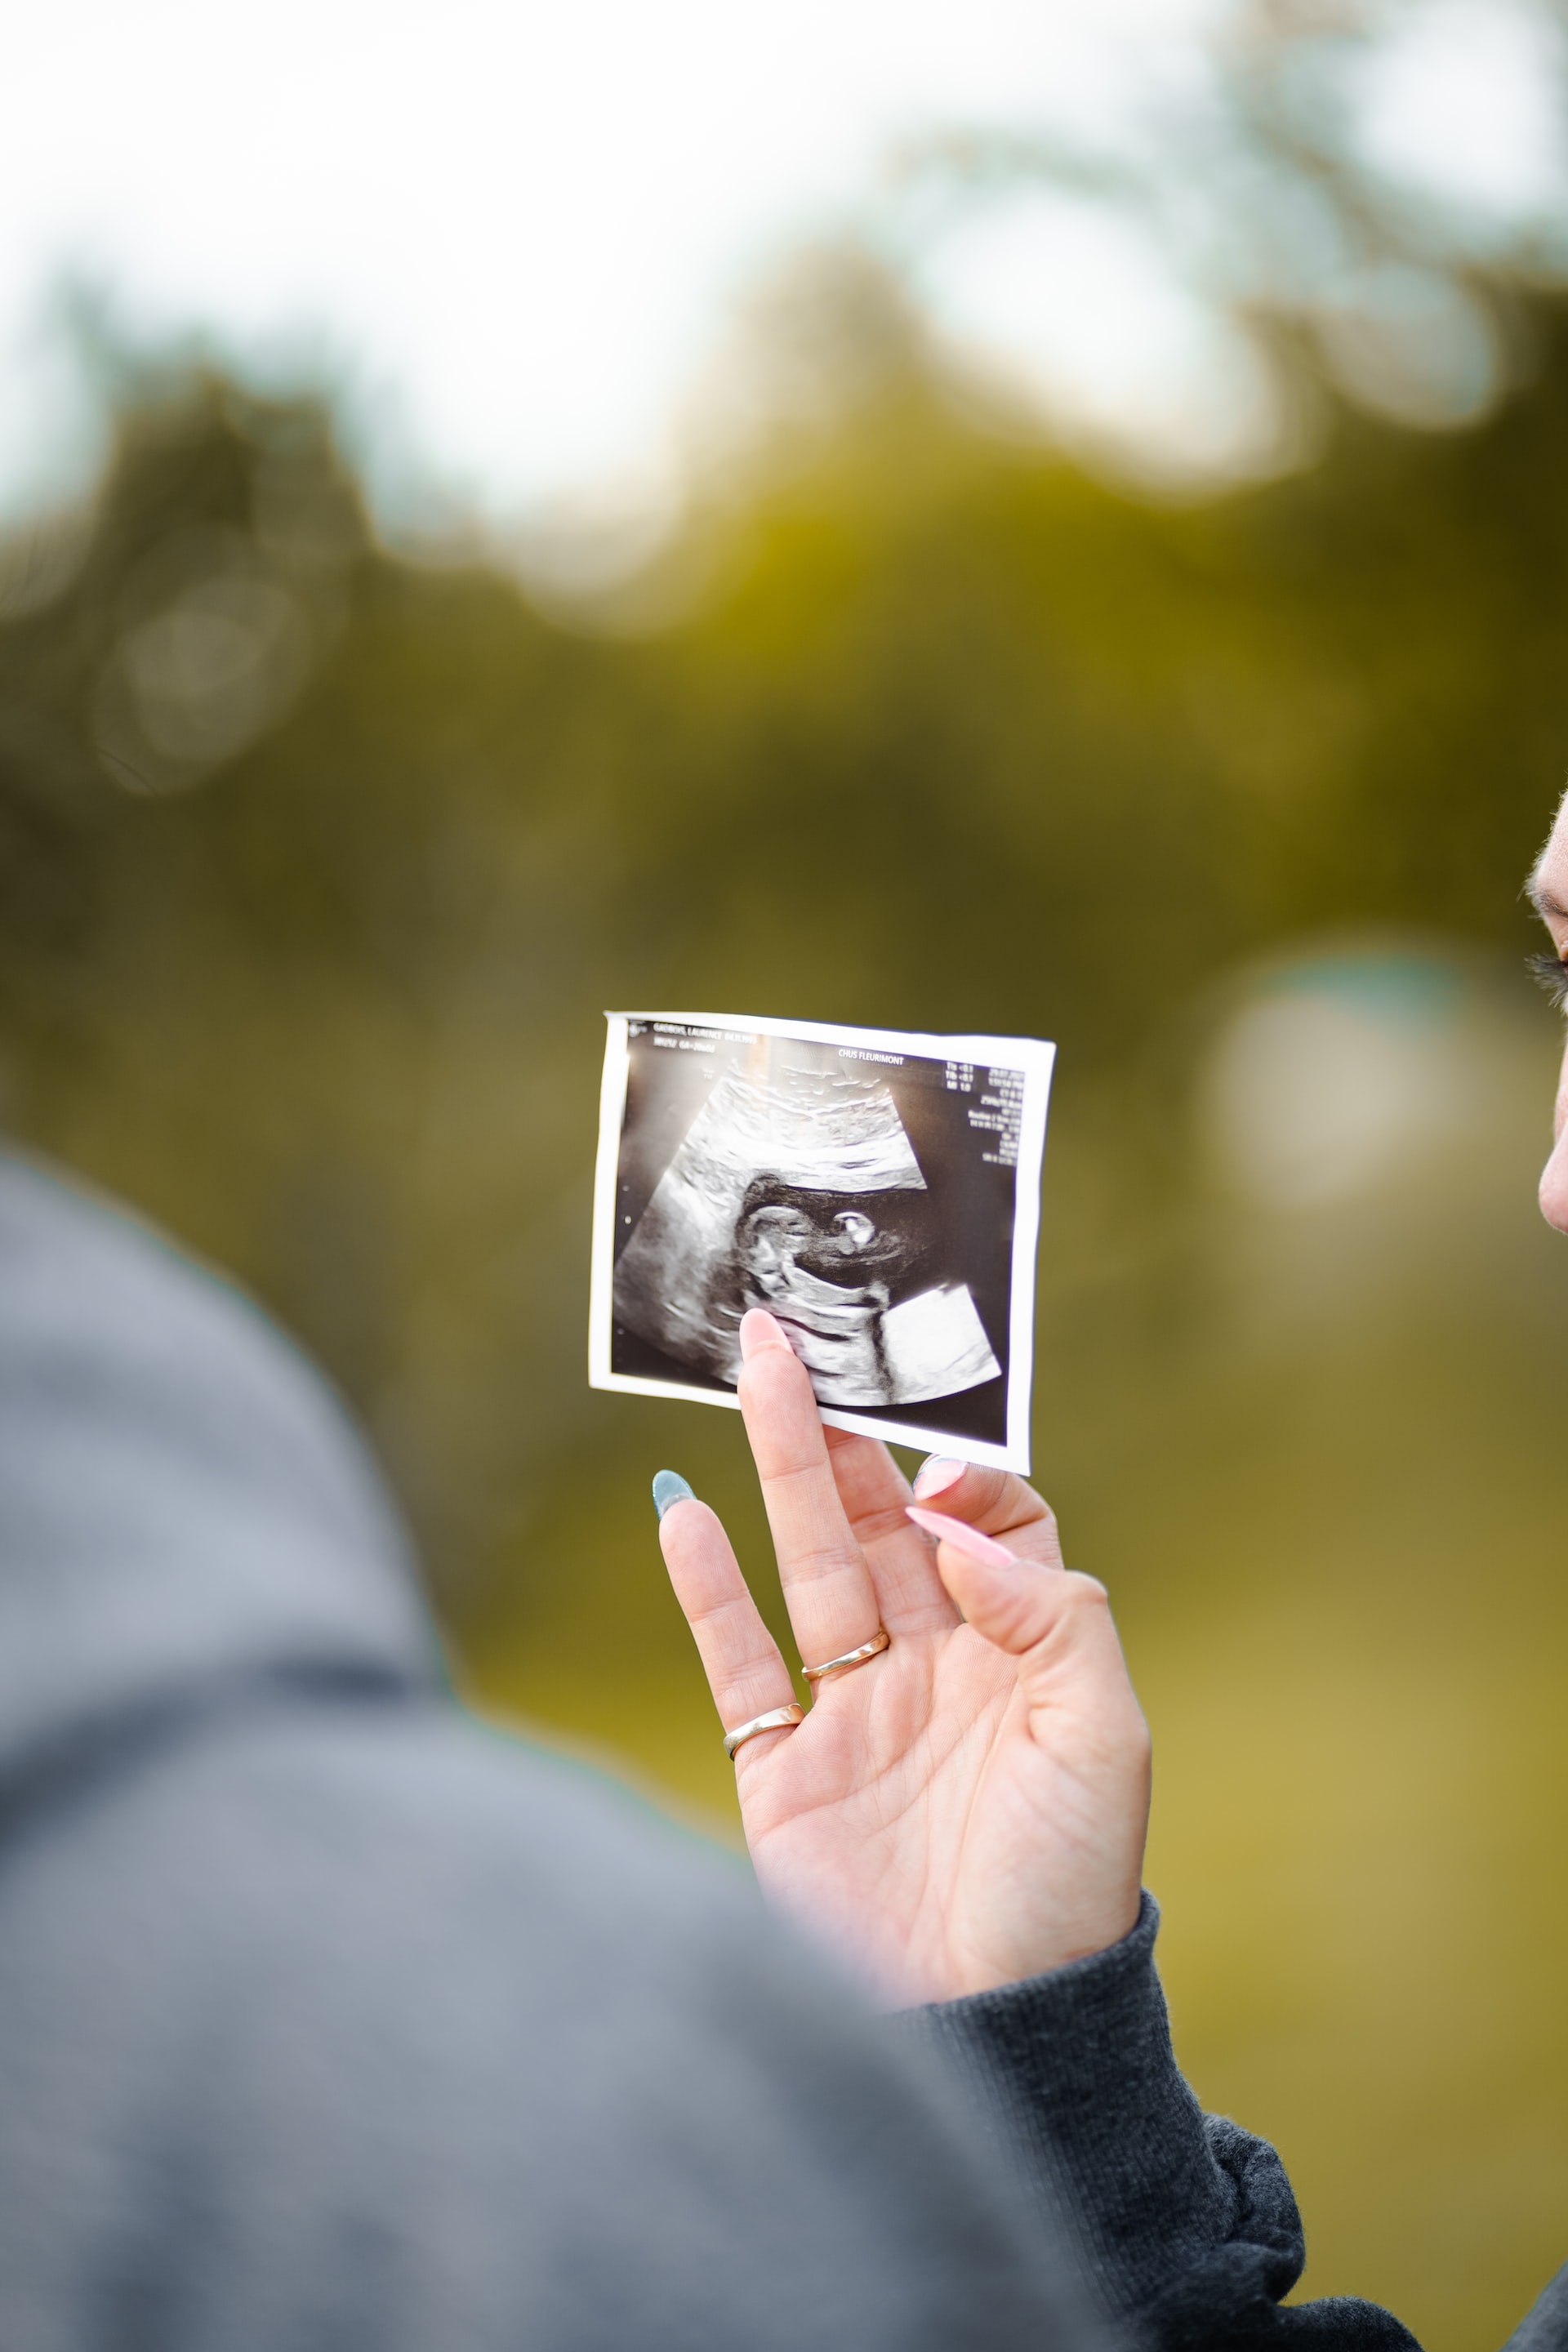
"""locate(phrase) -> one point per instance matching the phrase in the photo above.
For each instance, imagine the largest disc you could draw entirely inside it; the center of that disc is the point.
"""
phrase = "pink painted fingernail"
(963, 1537)
(937, 1473)
(759, 1330)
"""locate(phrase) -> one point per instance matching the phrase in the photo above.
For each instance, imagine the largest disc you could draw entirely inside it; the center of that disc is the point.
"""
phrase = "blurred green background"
(319, 864)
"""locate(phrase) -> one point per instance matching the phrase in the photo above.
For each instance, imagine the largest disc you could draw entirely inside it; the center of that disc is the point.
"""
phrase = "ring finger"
(745, 1669)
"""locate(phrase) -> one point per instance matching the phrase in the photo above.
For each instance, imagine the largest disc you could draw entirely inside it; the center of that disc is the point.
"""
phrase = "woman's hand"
(968, 1808)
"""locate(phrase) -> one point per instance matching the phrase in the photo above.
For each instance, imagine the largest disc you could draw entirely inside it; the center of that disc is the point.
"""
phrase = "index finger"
(997, 1502)
(826, 1584)
(874, 1492)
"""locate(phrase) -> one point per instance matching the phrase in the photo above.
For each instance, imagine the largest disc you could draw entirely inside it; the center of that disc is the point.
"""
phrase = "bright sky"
(515, 225)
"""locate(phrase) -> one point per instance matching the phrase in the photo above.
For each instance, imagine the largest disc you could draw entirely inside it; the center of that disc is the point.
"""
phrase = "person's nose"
(1554, 1175)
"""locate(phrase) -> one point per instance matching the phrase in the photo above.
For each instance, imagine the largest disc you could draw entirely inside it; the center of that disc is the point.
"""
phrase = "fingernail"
(669, 1486)
(963, 1537)
(759, 1330)
(937, 1473)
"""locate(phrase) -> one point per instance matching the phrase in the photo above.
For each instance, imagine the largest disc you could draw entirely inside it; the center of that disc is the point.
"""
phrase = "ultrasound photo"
(877, 1192)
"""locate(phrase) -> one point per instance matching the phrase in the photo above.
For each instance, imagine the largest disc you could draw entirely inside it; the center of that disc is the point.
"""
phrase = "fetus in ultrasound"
(796, 1190)
(826, 1272)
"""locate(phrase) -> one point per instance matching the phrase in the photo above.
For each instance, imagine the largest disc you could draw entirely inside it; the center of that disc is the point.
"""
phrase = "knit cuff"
(1074, 2073)
(1186, 2223)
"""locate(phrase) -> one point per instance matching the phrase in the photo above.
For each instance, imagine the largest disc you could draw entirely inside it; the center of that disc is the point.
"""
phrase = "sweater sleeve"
(1187, 2223)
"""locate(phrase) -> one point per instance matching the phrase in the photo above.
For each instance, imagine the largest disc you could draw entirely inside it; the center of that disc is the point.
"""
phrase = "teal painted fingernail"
(669, 1487)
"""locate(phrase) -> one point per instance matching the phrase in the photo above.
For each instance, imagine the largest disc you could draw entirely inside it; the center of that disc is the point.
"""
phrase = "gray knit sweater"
(1187, 2223)
(331, 2023)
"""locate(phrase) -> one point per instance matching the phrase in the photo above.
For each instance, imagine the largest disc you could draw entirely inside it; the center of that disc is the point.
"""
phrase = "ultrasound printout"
(876, 1192)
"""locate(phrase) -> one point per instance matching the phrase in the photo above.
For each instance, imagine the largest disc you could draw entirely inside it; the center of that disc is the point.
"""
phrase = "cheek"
(1555, 1176)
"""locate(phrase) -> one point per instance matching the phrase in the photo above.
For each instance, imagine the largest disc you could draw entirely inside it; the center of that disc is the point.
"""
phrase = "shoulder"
(390, 1978)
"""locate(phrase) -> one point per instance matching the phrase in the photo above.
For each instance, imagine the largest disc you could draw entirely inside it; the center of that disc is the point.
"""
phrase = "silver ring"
(872, 1649)
(778, 1719)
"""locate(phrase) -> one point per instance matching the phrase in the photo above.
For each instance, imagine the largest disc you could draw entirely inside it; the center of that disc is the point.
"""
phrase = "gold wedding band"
(778, 1719)
(872, 1649)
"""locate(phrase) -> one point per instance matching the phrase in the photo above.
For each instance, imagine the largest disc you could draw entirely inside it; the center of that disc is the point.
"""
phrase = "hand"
(970, 1807)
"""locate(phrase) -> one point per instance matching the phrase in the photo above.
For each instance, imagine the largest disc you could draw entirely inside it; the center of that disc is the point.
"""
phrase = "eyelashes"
(1550, 972)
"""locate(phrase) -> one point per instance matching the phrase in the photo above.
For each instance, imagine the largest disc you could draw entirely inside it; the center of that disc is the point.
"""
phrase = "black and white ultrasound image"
(866, 1199)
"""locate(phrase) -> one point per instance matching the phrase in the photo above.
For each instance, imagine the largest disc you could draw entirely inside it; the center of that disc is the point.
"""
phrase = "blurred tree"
(1271, 191)
(321, 864)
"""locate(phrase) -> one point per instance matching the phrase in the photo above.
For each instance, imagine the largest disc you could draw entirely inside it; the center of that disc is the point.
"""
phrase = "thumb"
(1057, 1624)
